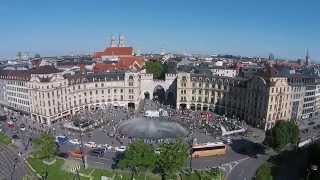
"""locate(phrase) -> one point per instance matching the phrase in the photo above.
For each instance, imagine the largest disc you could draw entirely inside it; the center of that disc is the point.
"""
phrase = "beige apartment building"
(260, 101)
(54, 96)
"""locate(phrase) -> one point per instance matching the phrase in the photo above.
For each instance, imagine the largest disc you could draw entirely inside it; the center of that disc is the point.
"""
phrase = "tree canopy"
(171, 158)
(264, 172)
(283, 133)
(138, 157)
(157, 69)
(46, 147)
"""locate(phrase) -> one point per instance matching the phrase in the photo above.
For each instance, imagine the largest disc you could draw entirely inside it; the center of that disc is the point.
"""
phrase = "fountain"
(152, 128)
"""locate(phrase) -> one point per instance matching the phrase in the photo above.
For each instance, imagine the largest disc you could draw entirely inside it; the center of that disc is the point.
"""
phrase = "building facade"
(55, 96)
(14, 90)
(260, 101)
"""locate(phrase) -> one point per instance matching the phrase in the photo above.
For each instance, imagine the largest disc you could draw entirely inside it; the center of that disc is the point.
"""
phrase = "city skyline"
(240, 28)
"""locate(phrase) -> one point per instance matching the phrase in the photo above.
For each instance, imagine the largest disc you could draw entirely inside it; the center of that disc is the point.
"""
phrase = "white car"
(74, 141)
(107, 146)
(22, 127)
(121, 148)
(91, 144)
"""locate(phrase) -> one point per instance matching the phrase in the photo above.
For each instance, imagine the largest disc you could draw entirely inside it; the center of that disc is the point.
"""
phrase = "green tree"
(46, 147)
(282, 134)
(156, 68)
(171, 158)
(264, 172)
(138, 157)
(37, 55)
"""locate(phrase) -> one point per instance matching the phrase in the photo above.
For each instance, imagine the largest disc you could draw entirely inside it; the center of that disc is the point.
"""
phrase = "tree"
(171, 158)
(45, 146)
(282, 134)
(37, 55)
(264, 172)
(157, 69)
(138, 157)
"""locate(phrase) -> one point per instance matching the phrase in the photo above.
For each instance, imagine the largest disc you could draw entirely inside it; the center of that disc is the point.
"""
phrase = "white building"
(224, 72)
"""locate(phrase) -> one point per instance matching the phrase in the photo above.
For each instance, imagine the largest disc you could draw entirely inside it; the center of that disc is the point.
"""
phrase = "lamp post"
(81, 147)
(190, 152)
(15, 162)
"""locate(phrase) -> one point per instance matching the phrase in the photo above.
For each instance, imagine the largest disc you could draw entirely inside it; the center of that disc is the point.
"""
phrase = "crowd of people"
(109, 118)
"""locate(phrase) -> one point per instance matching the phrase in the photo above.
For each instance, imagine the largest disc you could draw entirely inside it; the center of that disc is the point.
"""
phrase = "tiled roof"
(24, 75)
(45, 70)
(115, 51)
(97, 77)
(124, 63)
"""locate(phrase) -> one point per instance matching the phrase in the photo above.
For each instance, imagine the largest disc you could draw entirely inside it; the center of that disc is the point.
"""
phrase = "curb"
(33, 170)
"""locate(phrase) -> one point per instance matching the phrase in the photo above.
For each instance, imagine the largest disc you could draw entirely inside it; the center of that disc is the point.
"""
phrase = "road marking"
(236, 164)
(99, 162)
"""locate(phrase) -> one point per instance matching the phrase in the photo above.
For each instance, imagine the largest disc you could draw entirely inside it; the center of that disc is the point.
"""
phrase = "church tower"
(113, 41)
(121, 41)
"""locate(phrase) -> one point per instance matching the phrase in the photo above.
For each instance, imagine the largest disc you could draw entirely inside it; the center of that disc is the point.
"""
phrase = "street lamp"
(15, 162)
(81, 147)
(190, 151)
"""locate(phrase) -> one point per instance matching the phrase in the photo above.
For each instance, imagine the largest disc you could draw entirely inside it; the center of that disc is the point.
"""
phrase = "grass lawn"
(4, 139)
(97, 173)
(54, 171)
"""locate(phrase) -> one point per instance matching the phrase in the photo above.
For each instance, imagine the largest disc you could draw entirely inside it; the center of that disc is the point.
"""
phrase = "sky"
(285, 28)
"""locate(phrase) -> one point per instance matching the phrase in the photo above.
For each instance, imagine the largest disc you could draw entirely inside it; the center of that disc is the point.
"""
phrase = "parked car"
(91, 144)
(15, 136)
(74, 141)
(311, 123)
(22, 127)
(107, 147)
(61, 139)
(99, 152)
(10, 124)
(13, 118)
(121, 148)
(75, 153)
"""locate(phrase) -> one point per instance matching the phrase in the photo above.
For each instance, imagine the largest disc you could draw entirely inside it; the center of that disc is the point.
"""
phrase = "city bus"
(208, 149)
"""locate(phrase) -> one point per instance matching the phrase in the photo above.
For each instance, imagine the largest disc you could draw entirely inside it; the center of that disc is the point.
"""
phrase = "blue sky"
(245, 27)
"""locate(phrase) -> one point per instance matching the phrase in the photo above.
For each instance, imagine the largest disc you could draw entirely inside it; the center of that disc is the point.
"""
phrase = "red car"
(10, 124)
(75, 153)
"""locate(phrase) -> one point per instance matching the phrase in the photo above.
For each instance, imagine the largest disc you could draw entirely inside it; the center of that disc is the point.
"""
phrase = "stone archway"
(171, 99)
(159, 94)
(146, 95)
